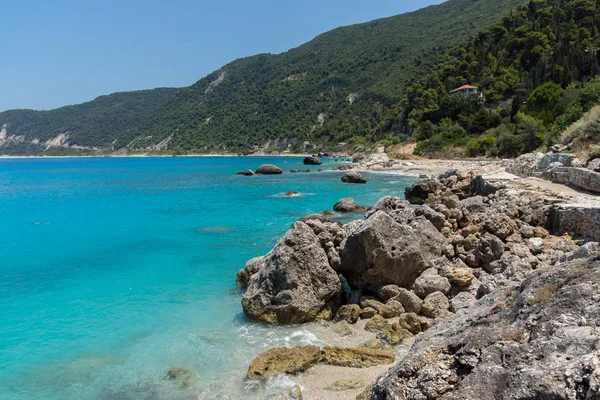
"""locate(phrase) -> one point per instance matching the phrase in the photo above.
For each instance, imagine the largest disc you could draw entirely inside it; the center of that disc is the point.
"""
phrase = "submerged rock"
(359, 357)
(294, 282)
(268, 169)
(182, 377)
(353, 177)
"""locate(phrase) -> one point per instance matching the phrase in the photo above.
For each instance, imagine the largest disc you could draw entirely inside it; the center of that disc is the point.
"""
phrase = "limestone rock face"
(347, 205)
(384, 252)
(353, 177)
(294, 282)
(538, 342)
(268, 169)
(312, 161)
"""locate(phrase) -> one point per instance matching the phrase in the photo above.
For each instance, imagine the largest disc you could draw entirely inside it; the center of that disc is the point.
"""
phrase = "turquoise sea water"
(114, 269)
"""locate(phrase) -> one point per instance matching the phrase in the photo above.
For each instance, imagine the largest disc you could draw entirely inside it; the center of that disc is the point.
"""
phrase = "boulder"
(268, 169)
(490, 248)
(500, 225)
(437, 219)
(418, 193)
(388, 292)
(312, 161)
(294, 282)
(368, 302)
(381, 251)
(353, 177)
(430, 282)
(367, 313)
(377, 324)
(247, 172)
(391, 309)
(349, 313)
(525, 165)
(283, 360)
(480, 187)
(409, 300)
(435, 305)
(411, 322)
(348, 205)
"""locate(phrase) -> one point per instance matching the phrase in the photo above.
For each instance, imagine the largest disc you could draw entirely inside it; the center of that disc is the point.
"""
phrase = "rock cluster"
(457, 253)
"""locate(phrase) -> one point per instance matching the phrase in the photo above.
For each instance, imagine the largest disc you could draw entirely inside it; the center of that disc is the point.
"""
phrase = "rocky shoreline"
(477, 269)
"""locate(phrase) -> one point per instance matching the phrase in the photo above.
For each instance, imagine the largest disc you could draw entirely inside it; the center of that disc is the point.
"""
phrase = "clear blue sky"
(54, 53)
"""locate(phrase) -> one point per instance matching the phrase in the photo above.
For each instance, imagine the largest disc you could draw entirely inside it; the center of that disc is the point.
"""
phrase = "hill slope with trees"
(337, 87)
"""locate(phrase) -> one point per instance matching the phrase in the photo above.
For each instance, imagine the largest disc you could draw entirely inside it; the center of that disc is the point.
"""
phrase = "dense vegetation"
(95, 124)
(534, 68)
(337, 87)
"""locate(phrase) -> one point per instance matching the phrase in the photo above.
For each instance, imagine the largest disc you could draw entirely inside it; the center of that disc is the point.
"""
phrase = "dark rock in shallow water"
(312, 161)
(347, 205)
(268, 169)
(182, 377)
(353, 177)
(283, 289)
(247, 172)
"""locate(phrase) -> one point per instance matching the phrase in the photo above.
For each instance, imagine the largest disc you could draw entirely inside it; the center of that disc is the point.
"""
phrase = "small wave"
(288, 195)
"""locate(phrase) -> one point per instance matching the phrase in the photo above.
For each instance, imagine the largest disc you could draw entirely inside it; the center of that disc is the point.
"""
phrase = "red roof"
(465, 87)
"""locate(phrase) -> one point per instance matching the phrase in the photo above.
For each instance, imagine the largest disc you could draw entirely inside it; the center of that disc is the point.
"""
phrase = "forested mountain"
(337, 87)
(535, 68)
(78, 128)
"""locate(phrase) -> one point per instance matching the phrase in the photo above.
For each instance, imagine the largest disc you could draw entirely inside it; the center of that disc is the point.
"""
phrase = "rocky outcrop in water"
(312, 161)
(353, 177)
(294, 282)
(268, 169)
(247, 172)
(348, 205)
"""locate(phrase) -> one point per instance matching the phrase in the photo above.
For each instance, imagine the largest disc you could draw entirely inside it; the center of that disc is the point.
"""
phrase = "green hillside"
(536, 68)
(337, 87)
(95, 124)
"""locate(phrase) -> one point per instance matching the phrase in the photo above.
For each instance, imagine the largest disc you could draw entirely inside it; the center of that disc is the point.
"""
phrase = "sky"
(60, 52)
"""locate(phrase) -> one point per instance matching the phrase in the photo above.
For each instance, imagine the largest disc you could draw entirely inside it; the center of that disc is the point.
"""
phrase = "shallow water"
(114, 269)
